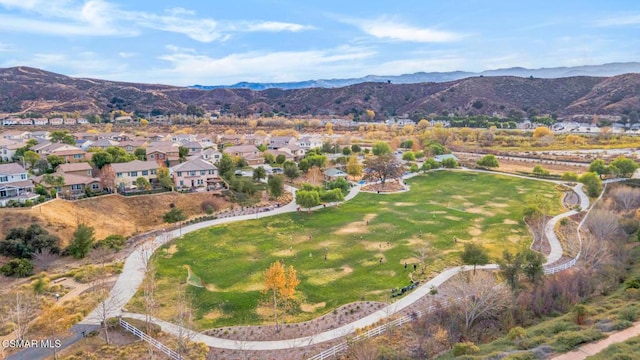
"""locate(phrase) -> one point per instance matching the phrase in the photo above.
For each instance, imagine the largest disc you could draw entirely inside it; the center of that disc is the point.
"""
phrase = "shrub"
(465, 348)
(174, 215)
(569, 340)
(628, 313)
(517, 333)
(208, 206)
(17, 267)
(632, 283)
(115, 242)
(580, 314)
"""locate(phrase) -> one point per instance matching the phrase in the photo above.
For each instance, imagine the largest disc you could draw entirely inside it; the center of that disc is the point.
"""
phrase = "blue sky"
(223, 42)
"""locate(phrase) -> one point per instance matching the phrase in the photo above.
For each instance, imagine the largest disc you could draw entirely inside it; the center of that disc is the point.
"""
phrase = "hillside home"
(16, 135)
(70, 121)
(75, 186)
(211, 155)
(164, 153)
(8, 149)
(80, 169)
(195, 173)
(56, 121)
(232, 139)
(250, 153)
(276, 142)
(130, 146)
(310, 142)
(14, 184)
(123, 175)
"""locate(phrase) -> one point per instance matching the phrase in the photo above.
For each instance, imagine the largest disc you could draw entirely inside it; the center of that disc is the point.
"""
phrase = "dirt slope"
(111, 214)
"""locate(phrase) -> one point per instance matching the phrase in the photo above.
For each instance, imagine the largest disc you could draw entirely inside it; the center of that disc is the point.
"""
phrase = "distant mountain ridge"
(24, 89)
(605, 70)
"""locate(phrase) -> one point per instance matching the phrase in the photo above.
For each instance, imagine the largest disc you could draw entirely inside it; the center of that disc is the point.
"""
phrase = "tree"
(409, 156)
(226, 167)
(603, 224)
(174, 215)
(488, 161)
(291, 170)
(259, 173)
(381, 148)
(143, 183)
(449, 163)
(275, 184)
(478, 297)
(82, 241)
(163, 178)
(510, 268)
(280, 159)
(21, 309)
(25, 242)
(346, 151)
(281, 284)
(101, 158)
(625, 167)
(355, 148)
(17, 267)
(303, 165)
(31, 157)
(354, 169)
(569, 176)
(140, 154)
(307, 199)
(62, 136)
(626, 198)
(538, 170)
(382, 167)
(55, 160)
(599, 167)
(475, 255)
(542, 131)
(593, 183)
(533, 266)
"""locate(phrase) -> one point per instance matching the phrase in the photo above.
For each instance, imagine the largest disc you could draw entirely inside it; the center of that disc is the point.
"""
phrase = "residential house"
(16, 135)
(193, 146)
(56, 121)
(296, 151)
(80, 169)
(164, 153)
(40, 135)
(124, 175)
(287, 155)
(256, 140)
(69, 153)
(82, 121)
(277, 142)
(86, 136)
(195, 173)
(8, 149)
(250, 153)
(310, 142)
(130, 146)
(333, 174)
(70, 121)
(9, 121)
(101, 144)
(211, 155)
(75, 186)
(41, 121)
(14, 184)
(24, 122)
(232, 139)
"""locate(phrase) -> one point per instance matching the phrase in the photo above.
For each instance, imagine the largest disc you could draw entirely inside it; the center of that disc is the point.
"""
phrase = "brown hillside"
(111, 214)
(27, 89)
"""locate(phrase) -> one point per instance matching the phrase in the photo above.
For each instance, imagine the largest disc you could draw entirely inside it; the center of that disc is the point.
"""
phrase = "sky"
(213, 42)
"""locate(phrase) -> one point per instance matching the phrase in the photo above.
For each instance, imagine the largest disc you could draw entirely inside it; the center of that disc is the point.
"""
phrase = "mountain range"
(25, 89)
(605, 70)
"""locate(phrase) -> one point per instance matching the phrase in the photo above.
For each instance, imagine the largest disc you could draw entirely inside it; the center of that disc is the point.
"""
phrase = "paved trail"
(591, 349)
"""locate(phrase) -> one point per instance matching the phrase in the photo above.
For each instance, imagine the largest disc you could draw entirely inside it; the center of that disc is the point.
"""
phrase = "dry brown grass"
(111, 214)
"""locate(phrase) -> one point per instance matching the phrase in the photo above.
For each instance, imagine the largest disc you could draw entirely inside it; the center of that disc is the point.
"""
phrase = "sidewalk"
(593, 348)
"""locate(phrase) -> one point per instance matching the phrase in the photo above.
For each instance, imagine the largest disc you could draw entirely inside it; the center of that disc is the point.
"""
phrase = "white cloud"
(191, 68)
(274, 26)
(620, 20)
(394, 29)
(4, 47)
(126, 55)
(101, 18)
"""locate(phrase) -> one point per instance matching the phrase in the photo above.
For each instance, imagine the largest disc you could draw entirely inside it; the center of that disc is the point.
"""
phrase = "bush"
(332, 196)
(632, 283)
(517, 333)
(173, 216)
(580, 314)
(208, 206)
(465, 348)
(115, 242)
(628, 313)
(569, 340)
(17, 267)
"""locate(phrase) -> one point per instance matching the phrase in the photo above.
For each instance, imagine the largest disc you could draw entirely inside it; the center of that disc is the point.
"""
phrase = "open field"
(111, 214)
(367, 241)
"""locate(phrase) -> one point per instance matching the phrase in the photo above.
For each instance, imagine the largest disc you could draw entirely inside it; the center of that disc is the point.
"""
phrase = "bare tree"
(363, 350)
(626, 197)
(602, 223)
(150, 306)
(478, 296)
(43, 259)
(23, 305)
(423, 252)
(184, 322)
(594, 253)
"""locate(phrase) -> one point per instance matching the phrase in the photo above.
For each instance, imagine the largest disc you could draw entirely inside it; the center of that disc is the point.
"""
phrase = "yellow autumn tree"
(354, 169)
(281, 284)
(329, 128)
(370, 113)
(541, 131)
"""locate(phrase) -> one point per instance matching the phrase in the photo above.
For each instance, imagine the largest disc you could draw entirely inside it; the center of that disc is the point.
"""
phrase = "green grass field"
(230, 259)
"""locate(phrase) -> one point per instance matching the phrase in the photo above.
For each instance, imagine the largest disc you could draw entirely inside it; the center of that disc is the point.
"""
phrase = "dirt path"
(593, 348)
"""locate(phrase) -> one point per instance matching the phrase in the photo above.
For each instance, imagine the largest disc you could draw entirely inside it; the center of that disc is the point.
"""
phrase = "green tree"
(82, 241)
(316, 160)
(592, 182)
(24, 242)
(449, 163)
(307, 199)
(381, 148)
(599, 167)
(101, 158)
(303, 165)
(17, 267)
(174, 215)
(346, 151)
(569, 176)
(275, 184)
(259, 173)
(163, 178)
(430, 164)
(241, 163)
(31, 157)
(291, 170)
(409, 156)
(280, 159)
(226, 167)
(55, 160)
(488, 161)
(624, 167)
(510, 267)
(269, 158)
(142, 183)
(538, 170)
(140, 154)
(475, 255)
(62, 136)
(533, 266)
(355, 148)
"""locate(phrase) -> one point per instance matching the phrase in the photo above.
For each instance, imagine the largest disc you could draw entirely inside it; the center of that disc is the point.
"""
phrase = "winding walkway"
(133, 274)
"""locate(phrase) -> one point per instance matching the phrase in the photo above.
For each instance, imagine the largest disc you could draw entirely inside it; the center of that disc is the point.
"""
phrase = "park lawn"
(443, 210)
